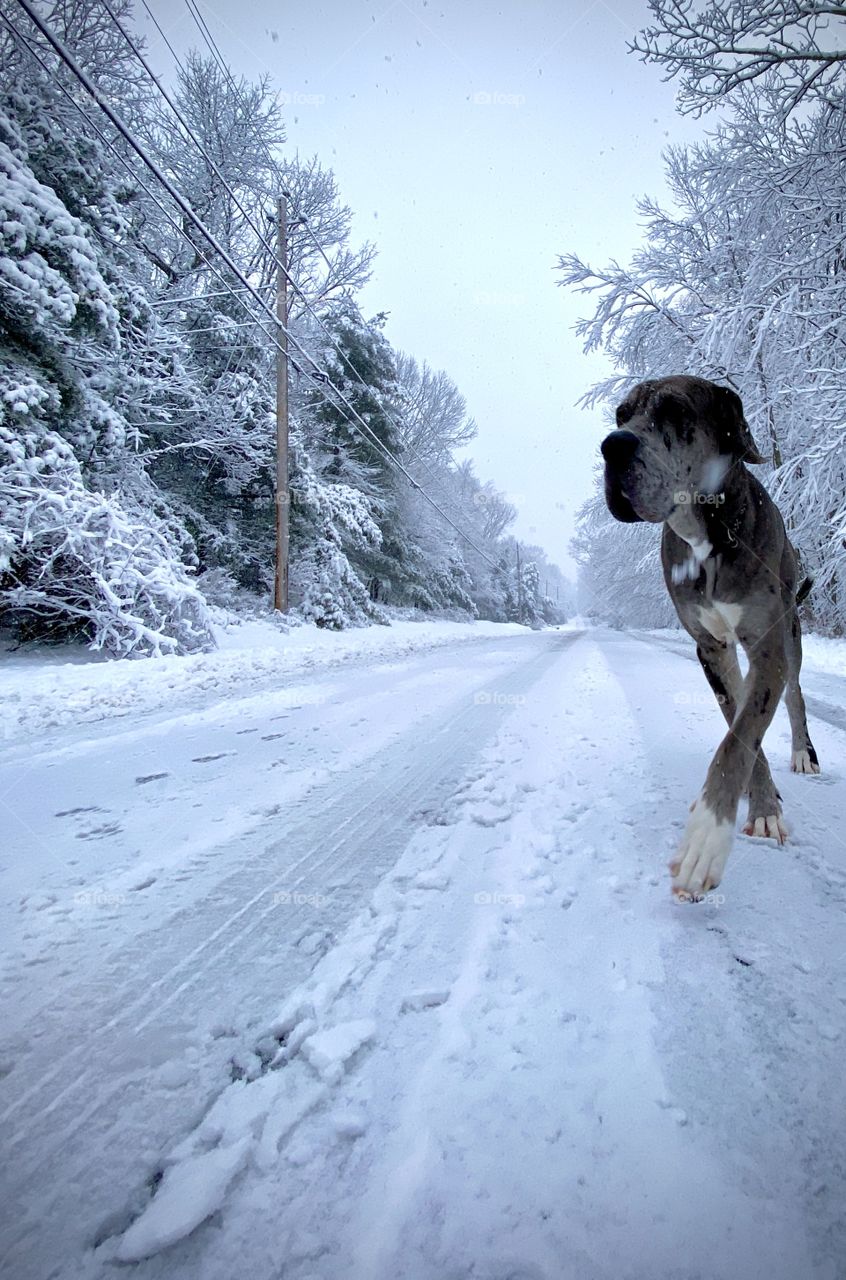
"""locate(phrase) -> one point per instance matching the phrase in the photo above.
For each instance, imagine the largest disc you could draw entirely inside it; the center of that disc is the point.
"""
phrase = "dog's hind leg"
(719, 662)
(803, 756)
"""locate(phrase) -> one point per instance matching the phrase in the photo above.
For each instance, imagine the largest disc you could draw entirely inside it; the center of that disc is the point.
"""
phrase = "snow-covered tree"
(434, 412)
(787, 49)
(88, 547)
(137, 397)
(742, 278)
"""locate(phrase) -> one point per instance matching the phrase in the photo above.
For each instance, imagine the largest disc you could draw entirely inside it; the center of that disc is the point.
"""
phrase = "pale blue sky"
(474, 142)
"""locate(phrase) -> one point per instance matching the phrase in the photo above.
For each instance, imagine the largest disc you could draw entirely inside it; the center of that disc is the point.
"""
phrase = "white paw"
(801, 762)
(698, 866)
(771, 827)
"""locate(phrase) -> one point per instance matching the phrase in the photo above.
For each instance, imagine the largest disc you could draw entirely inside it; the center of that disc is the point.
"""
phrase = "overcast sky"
(474, 143)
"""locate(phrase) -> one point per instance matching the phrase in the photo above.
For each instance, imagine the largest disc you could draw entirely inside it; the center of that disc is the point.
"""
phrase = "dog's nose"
(619, 447)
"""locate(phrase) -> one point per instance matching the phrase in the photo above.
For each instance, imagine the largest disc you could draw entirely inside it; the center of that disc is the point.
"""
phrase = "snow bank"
(819, 653)
(39, 693)
(822, 653)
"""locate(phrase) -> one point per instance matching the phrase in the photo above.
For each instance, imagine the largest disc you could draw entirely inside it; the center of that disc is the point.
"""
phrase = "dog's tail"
(804, 590)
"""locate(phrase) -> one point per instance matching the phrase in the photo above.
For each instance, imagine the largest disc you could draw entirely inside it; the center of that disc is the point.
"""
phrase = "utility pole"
(519, 587)
(283, 496)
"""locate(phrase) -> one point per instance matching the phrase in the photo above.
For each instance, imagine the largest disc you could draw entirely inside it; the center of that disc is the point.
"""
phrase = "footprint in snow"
(489, 816)
(543, 883)
(349, 1124)
(149, 777)
(332, 1051)
(220, 755)
(419, 1000)
(38, 902)
(70, 813)
(100, 833)
(431, 880)
(677, 1113)
(142, 884)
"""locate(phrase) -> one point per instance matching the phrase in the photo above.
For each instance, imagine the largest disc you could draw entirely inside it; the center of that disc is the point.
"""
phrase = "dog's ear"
(734, 429)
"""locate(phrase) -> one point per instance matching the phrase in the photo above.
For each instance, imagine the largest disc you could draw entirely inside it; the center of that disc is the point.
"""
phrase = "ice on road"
(376, 974)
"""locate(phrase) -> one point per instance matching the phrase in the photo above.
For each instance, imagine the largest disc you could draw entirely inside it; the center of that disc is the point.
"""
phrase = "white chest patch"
(721, 620)
(689, 568)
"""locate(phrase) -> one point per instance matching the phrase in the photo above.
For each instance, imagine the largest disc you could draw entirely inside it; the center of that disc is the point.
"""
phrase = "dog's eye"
(624, 413)
(671, 410)
(676, 418)
(675, 414)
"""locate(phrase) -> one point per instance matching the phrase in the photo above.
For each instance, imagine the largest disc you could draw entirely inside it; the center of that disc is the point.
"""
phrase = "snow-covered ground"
(366, 966)
(39, 691)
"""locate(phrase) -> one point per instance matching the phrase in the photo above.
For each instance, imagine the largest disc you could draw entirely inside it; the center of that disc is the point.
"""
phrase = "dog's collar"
(723, 532)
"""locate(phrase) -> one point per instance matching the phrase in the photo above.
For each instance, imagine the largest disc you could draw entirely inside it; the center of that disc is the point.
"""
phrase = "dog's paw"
(804, 761)
(699, 864)
(771, 827)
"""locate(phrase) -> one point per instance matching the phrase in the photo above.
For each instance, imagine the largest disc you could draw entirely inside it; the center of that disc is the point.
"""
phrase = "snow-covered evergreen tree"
(87, 545)
(137, 397)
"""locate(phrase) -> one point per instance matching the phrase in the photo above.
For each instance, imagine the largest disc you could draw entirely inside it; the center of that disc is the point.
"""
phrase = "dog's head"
(676, 441)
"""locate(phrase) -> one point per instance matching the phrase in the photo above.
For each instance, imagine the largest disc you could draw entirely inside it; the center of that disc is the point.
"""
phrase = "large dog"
(678, 458)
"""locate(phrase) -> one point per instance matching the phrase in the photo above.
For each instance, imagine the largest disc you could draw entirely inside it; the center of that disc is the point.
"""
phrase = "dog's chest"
(721, 620)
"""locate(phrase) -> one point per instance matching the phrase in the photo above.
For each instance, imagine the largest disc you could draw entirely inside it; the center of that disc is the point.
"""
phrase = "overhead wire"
(214, 49)
(184, 206)
(188, 212)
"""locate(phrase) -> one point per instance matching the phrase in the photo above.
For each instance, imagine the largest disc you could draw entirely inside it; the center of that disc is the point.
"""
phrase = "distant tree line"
(137, 398)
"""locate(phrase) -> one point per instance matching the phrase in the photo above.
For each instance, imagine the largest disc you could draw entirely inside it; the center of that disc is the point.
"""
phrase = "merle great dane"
(678, 458)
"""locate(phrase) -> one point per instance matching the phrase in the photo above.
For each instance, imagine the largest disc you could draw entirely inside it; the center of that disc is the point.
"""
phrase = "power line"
(228, 290)
(155, 22)
(189, 213)
(200, 297)
(269, 248)
(211, 44)
(217, 56)
(184, 206)
(214, 49)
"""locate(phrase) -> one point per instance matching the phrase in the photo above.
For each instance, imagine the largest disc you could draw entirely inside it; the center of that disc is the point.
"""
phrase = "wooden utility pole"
(283, 497)
(519, 587)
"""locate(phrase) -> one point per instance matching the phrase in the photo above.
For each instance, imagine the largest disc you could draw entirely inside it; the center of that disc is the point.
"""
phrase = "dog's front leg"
(698, 866)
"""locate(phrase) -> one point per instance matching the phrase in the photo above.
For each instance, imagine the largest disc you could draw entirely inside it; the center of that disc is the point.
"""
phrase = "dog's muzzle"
(618, 449)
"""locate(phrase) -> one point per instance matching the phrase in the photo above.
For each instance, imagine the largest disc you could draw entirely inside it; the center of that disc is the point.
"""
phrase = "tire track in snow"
(525, 1128)
(51, 1117)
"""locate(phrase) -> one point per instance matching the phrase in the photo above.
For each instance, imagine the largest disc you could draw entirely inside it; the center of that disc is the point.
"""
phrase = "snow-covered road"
(377, 975)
